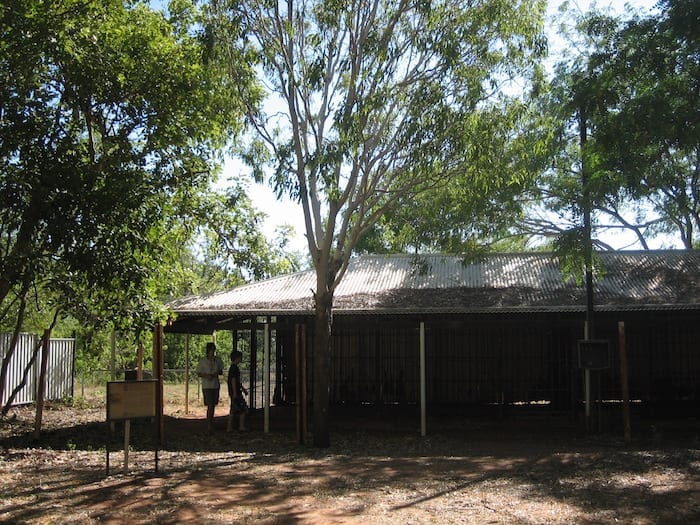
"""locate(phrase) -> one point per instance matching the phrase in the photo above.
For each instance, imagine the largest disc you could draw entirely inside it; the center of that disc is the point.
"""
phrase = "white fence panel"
(59, 369)
(21, 357)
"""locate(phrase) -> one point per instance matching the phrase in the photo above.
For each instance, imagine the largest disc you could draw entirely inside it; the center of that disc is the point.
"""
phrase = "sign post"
(127, 400)
(593, 354)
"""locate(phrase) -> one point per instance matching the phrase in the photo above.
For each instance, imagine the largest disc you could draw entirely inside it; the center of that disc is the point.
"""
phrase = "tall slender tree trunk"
(321, 366)
(587, 225)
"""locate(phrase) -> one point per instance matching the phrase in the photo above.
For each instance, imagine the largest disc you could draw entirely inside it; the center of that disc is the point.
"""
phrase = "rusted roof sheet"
(516, 282)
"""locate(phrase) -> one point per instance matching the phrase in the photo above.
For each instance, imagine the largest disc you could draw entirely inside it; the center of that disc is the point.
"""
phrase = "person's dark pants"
(211, 396)
(211, 399)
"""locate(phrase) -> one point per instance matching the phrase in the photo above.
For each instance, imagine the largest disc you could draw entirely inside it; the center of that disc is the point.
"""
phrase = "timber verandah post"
(253, 381)
(266, 376)
(300, 380)
(423, 424)
(158, 364)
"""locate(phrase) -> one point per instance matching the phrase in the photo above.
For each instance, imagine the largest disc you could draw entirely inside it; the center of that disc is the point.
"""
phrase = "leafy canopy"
(111, 123)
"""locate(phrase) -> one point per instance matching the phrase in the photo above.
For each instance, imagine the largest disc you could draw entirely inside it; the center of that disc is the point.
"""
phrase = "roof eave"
(263, 312)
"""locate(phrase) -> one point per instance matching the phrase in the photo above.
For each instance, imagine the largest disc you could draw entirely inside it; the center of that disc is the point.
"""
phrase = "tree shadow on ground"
(378, 461)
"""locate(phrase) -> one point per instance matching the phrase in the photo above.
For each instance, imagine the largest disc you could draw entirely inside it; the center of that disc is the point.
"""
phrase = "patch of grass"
(78, 402)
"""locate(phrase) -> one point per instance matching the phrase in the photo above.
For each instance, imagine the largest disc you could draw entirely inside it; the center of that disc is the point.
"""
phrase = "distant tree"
(649, 138)
(631, 87)
(504, 154)
(367, 109)
(569, 188)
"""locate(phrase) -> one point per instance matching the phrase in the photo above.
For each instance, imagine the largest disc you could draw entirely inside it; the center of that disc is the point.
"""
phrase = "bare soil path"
(519, 470)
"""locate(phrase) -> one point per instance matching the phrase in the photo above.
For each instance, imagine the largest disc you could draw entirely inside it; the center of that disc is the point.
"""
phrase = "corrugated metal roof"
(498, 282)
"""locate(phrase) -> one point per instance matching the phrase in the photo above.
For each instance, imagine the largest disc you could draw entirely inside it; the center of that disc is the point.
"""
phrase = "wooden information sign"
(127, 400)
(131, 399)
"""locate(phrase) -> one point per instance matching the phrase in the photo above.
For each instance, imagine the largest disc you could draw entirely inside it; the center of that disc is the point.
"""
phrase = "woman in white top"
(209, 369)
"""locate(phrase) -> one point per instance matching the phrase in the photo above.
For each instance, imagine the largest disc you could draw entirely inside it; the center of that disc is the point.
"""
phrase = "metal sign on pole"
(593, 354)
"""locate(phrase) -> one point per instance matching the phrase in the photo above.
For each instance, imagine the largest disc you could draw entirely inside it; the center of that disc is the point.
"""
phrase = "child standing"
(235, 391)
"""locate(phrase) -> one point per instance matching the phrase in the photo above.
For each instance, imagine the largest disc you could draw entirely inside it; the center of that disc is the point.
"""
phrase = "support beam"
(253, 382)
(297, 381)
(423, 423)
(300, 352)
(158, 363)
(277, 391)
(266, 378)
(187, 373)
(624, 379)
(587, 382)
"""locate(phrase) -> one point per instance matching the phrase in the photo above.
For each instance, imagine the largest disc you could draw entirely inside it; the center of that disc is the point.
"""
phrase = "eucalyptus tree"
(108, 110)
(367, 107)
(506, 149)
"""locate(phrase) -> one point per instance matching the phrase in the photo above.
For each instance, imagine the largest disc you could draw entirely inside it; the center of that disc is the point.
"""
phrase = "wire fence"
(87, 381)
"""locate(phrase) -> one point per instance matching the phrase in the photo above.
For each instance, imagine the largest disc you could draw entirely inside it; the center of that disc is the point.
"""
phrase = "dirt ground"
(528, 467)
